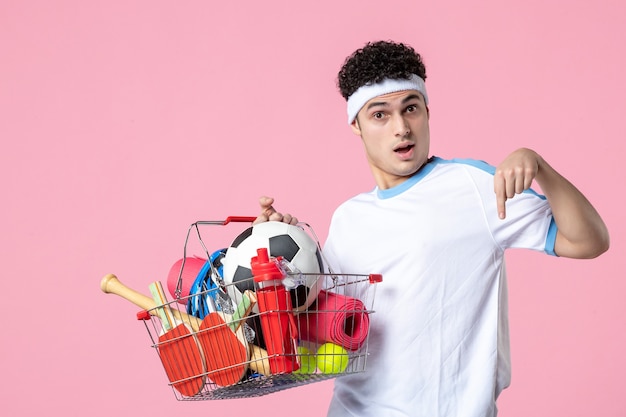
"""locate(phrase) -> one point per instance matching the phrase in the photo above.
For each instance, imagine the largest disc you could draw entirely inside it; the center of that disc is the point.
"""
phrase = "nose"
(400, 125)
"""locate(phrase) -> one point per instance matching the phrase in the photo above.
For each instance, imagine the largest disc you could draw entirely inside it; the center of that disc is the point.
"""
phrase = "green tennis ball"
(332, 358)
(308, 363)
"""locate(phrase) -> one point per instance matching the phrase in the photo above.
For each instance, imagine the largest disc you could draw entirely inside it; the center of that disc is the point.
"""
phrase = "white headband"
(368, 91)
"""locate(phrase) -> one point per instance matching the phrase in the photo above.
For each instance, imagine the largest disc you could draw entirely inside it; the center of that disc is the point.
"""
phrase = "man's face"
(395, 132)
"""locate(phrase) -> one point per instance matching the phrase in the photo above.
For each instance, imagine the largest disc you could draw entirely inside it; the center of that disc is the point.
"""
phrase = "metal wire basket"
(248, 339)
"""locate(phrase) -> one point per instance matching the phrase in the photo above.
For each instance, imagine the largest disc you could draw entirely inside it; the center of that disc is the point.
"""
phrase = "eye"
(378, 115)
(412, 108)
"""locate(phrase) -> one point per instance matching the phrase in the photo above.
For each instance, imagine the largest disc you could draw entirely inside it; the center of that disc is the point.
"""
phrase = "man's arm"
(581, 231)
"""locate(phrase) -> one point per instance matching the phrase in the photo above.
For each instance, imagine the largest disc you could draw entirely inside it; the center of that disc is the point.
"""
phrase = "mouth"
(404, 149)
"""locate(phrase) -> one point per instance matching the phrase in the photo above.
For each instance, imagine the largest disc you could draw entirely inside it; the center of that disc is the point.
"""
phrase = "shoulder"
(356, 201)
(466, 164)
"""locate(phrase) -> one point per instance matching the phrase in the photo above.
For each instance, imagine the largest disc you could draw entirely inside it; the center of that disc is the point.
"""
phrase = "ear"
(428, 112)
(355, 127)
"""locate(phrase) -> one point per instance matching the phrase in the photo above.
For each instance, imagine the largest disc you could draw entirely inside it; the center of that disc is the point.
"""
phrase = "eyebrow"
(384, 103)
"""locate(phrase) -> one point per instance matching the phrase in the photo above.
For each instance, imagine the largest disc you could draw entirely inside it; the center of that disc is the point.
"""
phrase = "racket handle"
(165, 314)
(110, 284)
(259, 361)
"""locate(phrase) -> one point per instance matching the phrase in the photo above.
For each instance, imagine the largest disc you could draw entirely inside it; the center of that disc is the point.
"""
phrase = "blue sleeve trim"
(476, 163)
(551, 238)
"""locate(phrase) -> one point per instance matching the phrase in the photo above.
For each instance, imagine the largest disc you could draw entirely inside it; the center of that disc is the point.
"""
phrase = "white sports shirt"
(439, 342)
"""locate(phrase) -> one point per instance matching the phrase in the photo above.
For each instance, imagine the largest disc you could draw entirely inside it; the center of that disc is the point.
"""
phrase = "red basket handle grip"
(238, 219)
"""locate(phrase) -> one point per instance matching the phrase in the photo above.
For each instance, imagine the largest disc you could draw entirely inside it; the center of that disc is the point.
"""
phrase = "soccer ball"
(281, 239)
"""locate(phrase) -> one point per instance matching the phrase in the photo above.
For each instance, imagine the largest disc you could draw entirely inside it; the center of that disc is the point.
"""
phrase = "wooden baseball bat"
(110, 284)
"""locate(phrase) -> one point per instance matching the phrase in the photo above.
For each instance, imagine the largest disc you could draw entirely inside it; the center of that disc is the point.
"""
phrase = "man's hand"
(268, 212)
(581, 233)
(514, 175)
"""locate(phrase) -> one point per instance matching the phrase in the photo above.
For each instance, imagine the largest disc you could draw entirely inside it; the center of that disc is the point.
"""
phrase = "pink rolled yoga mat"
(336, 318)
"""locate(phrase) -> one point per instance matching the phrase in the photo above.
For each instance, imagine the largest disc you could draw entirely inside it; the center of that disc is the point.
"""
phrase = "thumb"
(266, 202)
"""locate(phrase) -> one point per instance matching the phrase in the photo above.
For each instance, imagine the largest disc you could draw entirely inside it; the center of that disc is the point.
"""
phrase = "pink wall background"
(123, 122)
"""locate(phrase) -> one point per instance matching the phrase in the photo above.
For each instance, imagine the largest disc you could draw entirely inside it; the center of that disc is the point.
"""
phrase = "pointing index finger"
(499, 187)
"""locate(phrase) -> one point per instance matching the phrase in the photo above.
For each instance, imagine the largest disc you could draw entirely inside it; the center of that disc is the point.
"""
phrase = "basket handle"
(238, 219)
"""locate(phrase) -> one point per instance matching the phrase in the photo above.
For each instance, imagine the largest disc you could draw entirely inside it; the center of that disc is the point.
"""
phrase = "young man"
(437, 231)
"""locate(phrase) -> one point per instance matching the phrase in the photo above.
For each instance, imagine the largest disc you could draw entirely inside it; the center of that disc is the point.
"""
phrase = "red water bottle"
(277, 321)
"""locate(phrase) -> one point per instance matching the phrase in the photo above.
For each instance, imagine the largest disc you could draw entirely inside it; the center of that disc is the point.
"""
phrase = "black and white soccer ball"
(292, 243)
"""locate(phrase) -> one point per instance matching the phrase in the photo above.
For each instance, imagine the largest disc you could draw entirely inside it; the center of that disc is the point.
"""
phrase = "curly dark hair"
(377, 61)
